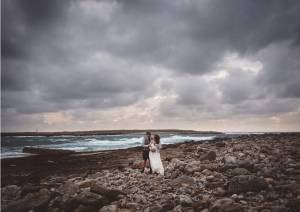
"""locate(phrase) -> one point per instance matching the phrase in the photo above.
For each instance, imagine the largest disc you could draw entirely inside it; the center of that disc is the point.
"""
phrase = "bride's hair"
(157, 139)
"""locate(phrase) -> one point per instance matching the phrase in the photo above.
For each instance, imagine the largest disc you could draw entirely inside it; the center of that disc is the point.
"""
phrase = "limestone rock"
(209, 156)
(245, 183)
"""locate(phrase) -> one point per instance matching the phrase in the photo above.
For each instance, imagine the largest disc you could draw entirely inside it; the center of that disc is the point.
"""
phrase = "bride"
(154, 155)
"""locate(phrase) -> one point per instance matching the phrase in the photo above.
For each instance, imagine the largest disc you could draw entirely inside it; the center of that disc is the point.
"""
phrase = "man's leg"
(145, 161)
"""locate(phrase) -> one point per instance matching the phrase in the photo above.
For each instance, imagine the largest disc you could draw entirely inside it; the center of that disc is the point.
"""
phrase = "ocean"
(12, 146)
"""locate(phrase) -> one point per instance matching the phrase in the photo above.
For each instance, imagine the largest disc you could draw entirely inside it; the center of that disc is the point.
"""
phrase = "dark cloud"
(74, 55)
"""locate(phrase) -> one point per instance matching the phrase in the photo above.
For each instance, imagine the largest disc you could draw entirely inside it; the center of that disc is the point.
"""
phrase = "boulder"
(185, 200)
(37, 201)
(245, 183)
(111, 195)
(209, 156)
(91, 199)
(10, 192)
(226, 205)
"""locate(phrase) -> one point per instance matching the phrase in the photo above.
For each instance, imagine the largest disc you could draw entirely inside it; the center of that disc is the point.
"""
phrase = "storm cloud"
(209, 64)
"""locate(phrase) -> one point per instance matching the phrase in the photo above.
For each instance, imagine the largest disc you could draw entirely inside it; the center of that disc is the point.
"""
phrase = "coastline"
(199, 176)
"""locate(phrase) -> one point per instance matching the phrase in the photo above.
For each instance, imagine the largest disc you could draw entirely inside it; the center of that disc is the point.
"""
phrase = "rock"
(177, 164)
(209, 166)
(238, 171)
(10, 192)
(69, 188)
(246, 164)
(245, 183)
(226, 205)
(111, 195)
(185, 200)
(29, 188)
(168, 205)
(229, 159)
(209, 156)
(133, 206)
(288, 187)
(220, 144)
(293, 205)
(138, 164)
(89, 198)
(219, 192)
(86, 183)
(183, 180)
(109, 208)
(37, 201)
(86, 208)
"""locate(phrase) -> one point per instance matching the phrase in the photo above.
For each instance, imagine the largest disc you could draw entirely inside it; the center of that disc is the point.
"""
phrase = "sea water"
(12, 146)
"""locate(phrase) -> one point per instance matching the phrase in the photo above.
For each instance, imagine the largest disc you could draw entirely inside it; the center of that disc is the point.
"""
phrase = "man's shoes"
(142, 171)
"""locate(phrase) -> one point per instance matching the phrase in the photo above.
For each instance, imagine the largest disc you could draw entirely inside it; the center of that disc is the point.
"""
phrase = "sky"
(220, 65)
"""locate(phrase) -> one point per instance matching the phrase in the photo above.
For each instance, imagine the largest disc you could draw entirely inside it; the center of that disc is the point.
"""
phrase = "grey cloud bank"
(211, 65)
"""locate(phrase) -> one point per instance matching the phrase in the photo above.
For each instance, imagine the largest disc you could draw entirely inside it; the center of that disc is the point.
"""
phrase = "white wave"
(123, 141)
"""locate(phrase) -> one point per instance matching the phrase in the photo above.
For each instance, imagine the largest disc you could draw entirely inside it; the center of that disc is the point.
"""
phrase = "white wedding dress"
(155, 160)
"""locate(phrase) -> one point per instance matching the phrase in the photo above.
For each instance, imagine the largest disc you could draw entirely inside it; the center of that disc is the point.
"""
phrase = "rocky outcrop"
(48, 152)
(249, 173)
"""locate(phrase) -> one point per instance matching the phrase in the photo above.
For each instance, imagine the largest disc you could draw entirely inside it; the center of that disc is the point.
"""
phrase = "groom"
(146, 150)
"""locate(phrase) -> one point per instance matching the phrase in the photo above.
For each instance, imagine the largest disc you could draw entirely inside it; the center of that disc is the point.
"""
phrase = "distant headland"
(106, 132)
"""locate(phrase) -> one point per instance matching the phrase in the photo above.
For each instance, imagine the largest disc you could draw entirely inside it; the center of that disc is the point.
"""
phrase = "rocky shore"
(249, 173)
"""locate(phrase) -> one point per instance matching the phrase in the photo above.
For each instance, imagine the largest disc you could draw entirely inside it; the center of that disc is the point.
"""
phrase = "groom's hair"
(157, 139)
(148, 133)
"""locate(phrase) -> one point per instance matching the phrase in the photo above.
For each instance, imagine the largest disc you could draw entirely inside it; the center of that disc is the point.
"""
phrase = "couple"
(151, 152)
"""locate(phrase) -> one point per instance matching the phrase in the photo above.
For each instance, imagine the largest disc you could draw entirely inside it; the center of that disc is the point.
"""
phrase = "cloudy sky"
(229, 65)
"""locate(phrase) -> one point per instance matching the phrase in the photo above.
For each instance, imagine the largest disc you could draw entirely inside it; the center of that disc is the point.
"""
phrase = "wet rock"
(209, 156)
(109, 208)
(245, 183)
